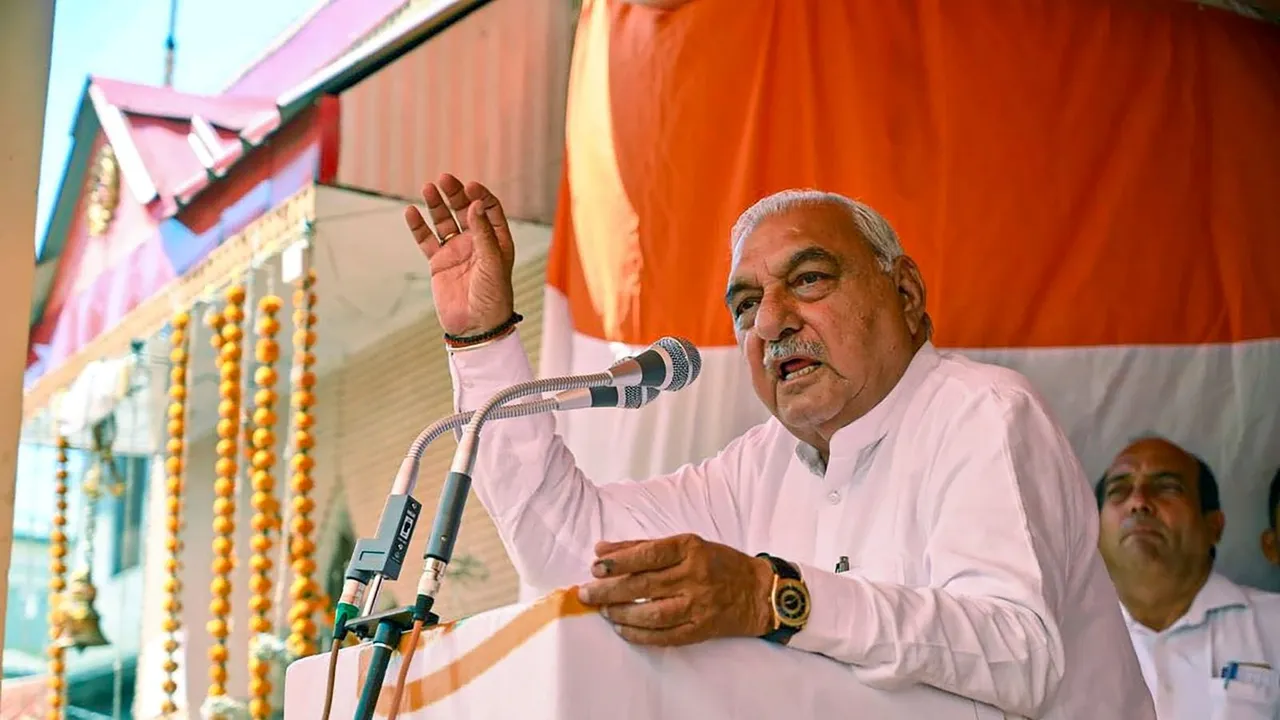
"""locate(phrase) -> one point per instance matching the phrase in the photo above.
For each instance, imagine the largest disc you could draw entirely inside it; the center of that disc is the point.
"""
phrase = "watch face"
(792, 603)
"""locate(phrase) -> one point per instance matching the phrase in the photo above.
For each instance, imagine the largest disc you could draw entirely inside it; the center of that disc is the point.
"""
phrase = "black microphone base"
(366, 627)
(385, 638)
(386, 628)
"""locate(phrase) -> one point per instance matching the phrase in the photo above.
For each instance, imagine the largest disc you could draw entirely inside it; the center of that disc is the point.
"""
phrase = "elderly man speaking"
(960, 525)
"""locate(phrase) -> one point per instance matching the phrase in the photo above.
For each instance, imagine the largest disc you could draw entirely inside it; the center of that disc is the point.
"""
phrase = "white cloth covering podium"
(555, 659)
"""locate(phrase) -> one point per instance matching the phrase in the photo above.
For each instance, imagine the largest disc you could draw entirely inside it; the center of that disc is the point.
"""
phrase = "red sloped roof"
(332, 30)
(171, 140)
(232, 113)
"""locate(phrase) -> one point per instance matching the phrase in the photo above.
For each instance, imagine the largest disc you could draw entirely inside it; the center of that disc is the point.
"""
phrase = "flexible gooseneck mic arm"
(595, 397)
(453, 497)
(443, 533)
(380, 558)
(669, 365)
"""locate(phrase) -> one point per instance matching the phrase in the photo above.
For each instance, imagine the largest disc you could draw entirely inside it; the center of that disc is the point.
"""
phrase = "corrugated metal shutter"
(503, 72)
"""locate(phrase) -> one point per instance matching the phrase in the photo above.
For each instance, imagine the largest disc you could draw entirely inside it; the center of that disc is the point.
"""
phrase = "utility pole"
(170, 44)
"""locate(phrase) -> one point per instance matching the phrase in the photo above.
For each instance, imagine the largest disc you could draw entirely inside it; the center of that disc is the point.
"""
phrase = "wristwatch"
(789, 598)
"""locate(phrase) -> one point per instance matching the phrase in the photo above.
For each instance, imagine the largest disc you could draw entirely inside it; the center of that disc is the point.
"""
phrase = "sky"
(124, 40)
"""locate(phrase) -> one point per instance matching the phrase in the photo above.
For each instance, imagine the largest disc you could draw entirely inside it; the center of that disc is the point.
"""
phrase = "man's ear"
(1271, 546)
(1217, 523)
(911, 290)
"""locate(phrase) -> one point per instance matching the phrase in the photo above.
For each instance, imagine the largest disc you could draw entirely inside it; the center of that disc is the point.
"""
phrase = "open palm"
(468, 244)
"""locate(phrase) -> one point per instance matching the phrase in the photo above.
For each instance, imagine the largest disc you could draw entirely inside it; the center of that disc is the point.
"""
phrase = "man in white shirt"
(1209, 648)
(941, 486)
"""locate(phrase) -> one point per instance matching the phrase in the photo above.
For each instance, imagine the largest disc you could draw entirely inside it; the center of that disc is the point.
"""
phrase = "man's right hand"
(469, 247)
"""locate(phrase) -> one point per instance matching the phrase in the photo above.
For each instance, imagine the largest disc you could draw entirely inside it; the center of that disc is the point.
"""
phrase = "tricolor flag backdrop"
(1092, 190)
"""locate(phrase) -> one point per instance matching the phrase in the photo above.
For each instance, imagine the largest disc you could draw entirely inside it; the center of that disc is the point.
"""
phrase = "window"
(127, 512)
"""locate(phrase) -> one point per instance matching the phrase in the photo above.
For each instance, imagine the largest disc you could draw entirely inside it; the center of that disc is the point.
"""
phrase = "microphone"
(669, 364)
(630, 397)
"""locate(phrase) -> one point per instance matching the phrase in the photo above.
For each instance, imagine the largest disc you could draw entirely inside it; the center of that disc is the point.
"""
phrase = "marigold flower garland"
(304, 590)
(57, 582)
(226, 340)
(179, 358)
(266, 517)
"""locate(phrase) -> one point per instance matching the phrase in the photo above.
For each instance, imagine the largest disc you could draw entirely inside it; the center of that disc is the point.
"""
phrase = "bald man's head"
(1158, 506)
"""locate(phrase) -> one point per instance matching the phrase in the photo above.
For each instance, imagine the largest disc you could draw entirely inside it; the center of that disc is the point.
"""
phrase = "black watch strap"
(781, 568)
(785, 571)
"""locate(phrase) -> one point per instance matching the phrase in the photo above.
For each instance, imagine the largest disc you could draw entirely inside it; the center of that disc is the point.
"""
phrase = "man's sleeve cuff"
(478, 373)
(839, 624)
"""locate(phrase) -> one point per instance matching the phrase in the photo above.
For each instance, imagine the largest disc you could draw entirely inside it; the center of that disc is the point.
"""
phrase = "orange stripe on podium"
(470, 665)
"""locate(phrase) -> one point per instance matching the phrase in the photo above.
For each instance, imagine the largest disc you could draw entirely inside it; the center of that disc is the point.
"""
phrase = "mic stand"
(389, 626)
(372, 559)
(382, 557)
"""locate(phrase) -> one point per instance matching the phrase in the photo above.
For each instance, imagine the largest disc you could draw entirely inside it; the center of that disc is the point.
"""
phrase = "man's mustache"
(1140, 522)
(790, 347)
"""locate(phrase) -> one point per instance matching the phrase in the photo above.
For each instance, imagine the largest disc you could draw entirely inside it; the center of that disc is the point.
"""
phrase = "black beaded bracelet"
(465, 340)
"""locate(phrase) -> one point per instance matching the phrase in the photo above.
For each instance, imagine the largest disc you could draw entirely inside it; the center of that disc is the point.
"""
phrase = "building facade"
(287, 173)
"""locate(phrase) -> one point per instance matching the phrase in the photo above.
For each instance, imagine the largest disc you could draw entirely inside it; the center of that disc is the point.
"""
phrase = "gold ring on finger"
(448, 237)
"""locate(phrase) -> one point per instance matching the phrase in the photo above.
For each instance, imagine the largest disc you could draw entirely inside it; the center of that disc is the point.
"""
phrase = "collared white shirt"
(1182, 664)
(969, 527)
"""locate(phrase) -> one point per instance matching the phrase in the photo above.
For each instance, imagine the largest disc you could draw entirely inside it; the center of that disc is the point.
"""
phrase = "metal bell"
(81, 624)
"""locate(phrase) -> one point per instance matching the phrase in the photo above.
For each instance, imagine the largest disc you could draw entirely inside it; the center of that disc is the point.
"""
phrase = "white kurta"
(1183, 664)
(968, 524)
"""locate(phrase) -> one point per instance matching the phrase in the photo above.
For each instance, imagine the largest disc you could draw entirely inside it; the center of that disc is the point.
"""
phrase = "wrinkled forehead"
(775, 238)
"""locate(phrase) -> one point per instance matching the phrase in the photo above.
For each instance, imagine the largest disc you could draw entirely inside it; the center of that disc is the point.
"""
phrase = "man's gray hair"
(870, 224)
(873, 227)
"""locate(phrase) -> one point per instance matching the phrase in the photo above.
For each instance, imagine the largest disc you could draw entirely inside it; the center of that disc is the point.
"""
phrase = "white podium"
(555, 659)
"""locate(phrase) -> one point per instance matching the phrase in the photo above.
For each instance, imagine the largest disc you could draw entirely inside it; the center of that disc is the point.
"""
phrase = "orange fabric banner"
(1066, 174)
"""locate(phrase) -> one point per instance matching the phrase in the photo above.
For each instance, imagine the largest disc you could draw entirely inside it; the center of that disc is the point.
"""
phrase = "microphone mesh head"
(695, 358)
(635, 396)
(686, 363)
